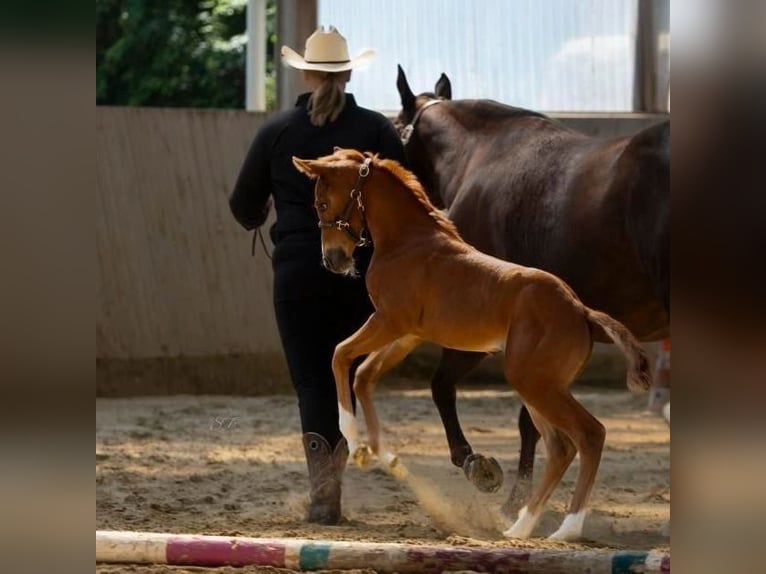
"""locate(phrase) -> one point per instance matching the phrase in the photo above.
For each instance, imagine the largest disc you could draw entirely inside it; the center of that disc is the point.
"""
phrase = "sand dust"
(235, 466)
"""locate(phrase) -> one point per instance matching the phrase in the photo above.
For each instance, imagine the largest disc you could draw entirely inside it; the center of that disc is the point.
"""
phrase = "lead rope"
(259, 233)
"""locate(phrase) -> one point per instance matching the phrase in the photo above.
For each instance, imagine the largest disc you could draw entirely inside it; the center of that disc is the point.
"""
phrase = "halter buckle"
(407, 133)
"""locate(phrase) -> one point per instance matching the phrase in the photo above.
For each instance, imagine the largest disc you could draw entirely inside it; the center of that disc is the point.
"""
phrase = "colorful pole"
(297, 554)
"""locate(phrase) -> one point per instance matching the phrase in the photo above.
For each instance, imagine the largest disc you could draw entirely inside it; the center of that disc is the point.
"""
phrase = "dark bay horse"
(427, 284)
(524, 188)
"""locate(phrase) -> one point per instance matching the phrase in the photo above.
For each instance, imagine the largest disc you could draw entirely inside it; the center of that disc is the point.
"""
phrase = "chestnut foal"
(427, 284)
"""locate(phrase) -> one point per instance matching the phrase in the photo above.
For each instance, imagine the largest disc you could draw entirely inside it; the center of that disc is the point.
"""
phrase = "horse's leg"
(545, 350)
(522, 486)
(453, 366)
(367, 376)
(588, 435)
(561, 451)
(568, 417)
(484, 472)
(370, 337)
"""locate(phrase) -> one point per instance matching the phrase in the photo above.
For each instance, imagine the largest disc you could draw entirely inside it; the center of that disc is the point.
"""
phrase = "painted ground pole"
(298, 554)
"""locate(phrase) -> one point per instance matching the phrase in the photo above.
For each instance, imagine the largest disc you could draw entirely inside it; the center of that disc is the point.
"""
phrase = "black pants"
(310, 327)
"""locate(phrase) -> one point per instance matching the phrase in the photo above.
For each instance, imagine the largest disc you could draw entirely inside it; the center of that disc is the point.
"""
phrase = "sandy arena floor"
(235, 466)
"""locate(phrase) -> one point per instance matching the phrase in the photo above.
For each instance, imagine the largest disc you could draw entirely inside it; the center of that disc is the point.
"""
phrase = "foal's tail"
(639, 371)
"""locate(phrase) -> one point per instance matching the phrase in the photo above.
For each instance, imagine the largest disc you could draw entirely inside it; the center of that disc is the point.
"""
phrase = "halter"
(410, 127)
(342, 221)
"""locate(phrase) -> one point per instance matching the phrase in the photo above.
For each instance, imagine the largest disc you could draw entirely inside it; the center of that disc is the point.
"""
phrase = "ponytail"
(329, 99)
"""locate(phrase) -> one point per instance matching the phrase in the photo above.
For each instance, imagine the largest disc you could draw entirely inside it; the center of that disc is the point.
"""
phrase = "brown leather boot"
(325, 475)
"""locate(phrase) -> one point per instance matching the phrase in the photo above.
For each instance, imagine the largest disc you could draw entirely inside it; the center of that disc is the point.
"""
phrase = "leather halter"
(410, 127)
(341, 222)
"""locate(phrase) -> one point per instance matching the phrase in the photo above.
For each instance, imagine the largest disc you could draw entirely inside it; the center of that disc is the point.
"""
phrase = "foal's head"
(337, 199)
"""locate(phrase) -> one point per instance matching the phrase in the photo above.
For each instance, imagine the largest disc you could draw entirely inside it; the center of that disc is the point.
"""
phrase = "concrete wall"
(175, 278)
(608, 124)
(182, 306)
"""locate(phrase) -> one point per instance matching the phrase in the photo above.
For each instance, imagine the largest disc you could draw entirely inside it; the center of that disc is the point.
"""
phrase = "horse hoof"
(395, 466)
(484, 472)
(362, 456)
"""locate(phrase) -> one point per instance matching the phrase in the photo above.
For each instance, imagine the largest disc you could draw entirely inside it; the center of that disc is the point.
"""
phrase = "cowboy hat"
(326, 51)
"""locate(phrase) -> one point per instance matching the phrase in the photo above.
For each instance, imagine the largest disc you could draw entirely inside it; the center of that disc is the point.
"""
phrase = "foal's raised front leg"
(367, 376)
(371, 337)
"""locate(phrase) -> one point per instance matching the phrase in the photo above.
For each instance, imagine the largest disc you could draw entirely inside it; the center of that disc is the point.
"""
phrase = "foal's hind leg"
(573, 428)
(529, 435)
(522, 485)
(588, 435)
(546, 348)
(561, 451)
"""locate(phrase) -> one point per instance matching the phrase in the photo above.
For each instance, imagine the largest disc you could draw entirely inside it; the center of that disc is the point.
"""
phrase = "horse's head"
(337, 199)
(413, 108)
(412, 104)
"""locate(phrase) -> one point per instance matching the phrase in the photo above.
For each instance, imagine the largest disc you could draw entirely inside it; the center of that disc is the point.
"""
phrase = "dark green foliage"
(187, 53)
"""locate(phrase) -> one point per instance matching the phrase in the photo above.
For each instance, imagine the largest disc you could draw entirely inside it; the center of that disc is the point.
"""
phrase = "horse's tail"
(639, 371)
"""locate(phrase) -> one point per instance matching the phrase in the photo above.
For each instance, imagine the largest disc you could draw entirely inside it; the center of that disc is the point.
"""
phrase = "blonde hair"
(329, 98)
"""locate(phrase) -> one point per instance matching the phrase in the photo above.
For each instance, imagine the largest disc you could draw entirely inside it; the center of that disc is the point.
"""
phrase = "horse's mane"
(495, 110)
(408, 179)
(489, 114)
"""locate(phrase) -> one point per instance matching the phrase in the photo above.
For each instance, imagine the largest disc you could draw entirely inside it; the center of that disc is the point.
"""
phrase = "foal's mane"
(408, 179)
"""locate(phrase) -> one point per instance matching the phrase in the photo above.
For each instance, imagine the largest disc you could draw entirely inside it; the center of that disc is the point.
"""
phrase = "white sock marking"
(571, 528)
(347, 423)
(524, 525)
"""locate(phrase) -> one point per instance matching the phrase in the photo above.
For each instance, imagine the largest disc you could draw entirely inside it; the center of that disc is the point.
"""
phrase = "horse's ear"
(309, 167)
(443, 87)
(405, 93)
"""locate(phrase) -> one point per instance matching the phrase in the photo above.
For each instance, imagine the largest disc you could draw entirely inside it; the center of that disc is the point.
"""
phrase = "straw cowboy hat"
(326, 51)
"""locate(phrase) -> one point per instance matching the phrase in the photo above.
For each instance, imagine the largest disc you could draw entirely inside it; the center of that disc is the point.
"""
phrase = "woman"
(315, 308)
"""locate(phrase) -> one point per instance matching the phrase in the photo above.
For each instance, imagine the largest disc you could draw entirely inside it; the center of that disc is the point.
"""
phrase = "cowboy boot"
(325, 476)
